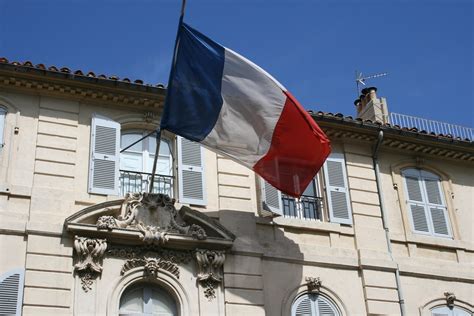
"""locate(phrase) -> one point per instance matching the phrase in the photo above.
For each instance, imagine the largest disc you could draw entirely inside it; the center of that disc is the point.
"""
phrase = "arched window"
(449, 311)
(147, 299)
(426, 203)
(136, 164)
(311, 304)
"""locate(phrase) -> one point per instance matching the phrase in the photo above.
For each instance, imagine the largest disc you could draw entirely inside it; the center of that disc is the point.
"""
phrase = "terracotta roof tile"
(78, 72)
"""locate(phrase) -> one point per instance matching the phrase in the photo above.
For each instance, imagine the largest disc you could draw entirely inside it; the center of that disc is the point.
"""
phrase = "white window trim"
(421, 175)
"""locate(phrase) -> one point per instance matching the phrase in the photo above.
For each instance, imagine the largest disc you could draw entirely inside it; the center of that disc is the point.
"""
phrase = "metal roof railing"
(431, 126)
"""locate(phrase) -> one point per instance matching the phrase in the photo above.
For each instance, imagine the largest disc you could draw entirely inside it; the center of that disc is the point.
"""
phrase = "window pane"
(128, 139)
(131, 161)
(162, 303)
(132, 301)
(164, 146)
(310, 189)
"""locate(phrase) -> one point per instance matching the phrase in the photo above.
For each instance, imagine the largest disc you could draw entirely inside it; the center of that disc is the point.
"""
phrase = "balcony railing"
(431, 126)
(306, 207)
(132, 182)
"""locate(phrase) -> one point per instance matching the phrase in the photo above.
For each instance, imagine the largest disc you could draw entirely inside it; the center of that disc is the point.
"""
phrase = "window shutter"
(304, 307)
(192, 189)
(415, 201)
(271, 200)
(105, 153)
(438, 211)
(11, 292)
(324, 308)
(337, 189)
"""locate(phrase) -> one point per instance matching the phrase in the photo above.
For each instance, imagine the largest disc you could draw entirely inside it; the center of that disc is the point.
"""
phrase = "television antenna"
(360, 79)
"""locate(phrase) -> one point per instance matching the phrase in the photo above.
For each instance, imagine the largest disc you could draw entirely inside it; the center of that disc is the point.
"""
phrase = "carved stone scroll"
(154, 215)
(210, 270)
(90, 253)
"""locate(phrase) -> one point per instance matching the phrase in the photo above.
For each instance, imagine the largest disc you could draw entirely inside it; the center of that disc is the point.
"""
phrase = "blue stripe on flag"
(194, 98)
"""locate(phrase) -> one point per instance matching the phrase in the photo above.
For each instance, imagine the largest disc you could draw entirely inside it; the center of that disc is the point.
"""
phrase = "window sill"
(433, 241)
(306, 224)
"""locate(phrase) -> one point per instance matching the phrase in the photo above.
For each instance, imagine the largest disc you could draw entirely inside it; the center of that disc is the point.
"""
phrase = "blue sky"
(313, 47)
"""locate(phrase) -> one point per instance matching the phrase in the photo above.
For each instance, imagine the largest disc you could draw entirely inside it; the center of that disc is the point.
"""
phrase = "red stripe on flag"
(297, 152)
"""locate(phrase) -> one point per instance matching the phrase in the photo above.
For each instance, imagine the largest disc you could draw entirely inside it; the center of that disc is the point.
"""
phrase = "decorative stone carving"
(90, 253)
(151, 258)
(148, 116)
(209, 270)
(154, 215)
(450, 298)
(314, 284)
(152, 266)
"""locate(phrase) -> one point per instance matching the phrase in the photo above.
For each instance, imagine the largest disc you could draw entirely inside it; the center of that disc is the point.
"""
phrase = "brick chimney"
(369, 107)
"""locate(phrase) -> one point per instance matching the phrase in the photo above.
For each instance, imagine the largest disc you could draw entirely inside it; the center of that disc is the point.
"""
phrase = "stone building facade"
(386, 227)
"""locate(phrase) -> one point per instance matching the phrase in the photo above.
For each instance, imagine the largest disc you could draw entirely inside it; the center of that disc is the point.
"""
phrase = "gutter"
(401, 299)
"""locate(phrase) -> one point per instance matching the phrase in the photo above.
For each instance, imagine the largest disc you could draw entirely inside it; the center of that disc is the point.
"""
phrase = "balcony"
(132, 182)
(306, 207)
(431, 126)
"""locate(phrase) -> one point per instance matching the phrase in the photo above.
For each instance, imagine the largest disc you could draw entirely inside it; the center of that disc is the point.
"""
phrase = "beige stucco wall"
(43, 180)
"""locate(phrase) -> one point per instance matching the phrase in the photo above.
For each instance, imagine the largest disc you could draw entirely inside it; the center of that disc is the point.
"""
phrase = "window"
(115, 173)
(426, 204)
(136, 164)
(311, 304)
(146, 299)
(311, 205)
(11, 292)
(449, 311)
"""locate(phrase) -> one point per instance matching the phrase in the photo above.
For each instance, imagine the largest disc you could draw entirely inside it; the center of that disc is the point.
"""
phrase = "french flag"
(227, 103)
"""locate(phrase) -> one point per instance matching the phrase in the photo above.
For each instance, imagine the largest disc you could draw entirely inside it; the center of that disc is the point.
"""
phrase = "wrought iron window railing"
(306, 207)
(132, 182)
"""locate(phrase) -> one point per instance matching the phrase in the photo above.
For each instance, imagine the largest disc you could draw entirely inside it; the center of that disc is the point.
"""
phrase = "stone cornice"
(396, 139)
(86, 89)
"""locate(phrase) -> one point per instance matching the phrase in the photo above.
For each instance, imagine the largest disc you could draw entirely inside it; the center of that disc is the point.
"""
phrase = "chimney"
(369, 107)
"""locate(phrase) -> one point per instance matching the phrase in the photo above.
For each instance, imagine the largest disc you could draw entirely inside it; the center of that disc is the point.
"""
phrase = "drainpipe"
(384, 221)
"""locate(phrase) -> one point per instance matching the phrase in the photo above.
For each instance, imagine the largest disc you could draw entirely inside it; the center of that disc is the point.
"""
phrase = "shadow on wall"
(246, 268)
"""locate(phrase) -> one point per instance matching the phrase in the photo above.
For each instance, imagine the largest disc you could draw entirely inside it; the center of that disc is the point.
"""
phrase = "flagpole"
(158, 132)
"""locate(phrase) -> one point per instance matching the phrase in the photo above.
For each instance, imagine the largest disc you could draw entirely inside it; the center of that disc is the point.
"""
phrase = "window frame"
(326, 299)
(146, 157)
(445, 310)
(421, 175)
(146, 290)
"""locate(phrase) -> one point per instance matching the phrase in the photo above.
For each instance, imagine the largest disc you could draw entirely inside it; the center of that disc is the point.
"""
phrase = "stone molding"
(210, 275)
(90, 253)
(154, 215)
(313, 284)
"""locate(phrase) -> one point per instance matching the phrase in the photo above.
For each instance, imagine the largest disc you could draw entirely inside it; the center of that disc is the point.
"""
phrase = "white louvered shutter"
(105, 153)
(192, 189)
(415, 202)
(324, 307)
(337, 189)
(11, 292)
(271, 199)
(425, 200)
(304, 307)
(435, 204)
